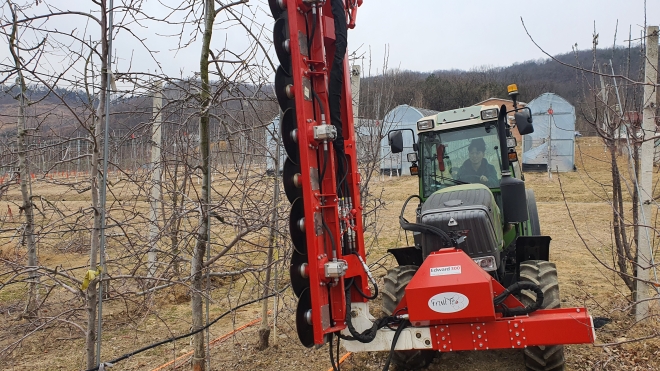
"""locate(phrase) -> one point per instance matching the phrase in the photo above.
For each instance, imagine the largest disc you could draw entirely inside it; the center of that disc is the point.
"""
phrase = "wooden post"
(642, 289)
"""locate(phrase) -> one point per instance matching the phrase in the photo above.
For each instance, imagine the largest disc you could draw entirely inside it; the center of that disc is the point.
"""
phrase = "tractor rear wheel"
(535, 226)
(395, 285)
(543, 274)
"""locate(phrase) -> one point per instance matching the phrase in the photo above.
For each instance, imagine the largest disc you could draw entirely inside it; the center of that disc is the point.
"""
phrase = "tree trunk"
(264, 330)
(92, 291)
(197, 264)
(26, 208)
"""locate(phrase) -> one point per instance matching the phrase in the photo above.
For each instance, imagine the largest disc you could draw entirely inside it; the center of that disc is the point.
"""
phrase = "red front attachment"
(320, 180)
(453, 296)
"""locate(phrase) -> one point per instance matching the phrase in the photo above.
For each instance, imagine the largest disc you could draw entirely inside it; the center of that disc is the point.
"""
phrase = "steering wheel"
(444, 180)
(471, 178)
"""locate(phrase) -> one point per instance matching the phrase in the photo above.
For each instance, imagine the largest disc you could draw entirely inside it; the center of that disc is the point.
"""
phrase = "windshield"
(465, 155)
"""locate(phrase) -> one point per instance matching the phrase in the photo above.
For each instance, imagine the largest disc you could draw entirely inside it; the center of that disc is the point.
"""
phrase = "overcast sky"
(421, 35)
(427, 35)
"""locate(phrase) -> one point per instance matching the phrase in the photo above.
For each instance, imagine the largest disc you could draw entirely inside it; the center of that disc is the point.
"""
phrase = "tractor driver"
(476, 168)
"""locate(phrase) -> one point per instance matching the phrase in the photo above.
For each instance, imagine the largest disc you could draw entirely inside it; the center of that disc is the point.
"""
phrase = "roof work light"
(512, 89)
(489, 114)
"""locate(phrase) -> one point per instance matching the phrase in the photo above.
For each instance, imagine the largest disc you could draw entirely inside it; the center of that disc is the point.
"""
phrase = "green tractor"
(472, 193)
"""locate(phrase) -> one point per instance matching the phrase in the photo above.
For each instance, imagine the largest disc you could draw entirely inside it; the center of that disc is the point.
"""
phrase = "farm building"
(401, 117)
(553, 137)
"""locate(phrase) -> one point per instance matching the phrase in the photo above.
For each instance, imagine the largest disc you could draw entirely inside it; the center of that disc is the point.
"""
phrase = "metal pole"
(104, 185)
(642, 288)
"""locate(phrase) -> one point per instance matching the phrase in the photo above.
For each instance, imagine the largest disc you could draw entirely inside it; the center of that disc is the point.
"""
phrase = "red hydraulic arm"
(320, 174)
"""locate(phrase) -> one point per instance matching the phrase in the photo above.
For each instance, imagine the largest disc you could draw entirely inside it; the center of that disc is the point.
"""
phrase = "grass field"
(576, 215)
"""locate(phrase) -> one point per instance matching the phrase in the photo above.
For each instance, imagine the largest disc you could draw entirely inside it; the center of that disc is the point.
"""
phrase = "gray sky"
(422, 35)
(427, 35)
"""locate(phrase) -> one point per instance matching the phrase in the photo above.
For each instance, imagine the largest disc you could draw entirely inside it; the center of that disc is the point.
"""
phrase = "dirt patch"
(578, 221)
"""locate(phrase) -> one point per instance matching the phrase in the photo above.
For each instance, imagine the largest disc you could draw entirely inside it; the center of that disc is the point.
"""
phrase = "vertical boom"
(320, 174)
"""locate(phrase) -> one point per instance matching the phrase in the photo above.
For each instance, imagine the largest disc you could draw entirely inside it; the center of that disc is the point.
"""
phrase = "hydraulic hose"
(399, 329)
(336, 82)
(421, 228)
(515, 289)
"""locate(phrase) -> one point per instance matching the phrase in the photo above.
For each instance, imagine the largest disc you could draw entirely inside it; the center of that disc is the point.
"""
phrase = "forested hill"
(439, 90)
(442, 90)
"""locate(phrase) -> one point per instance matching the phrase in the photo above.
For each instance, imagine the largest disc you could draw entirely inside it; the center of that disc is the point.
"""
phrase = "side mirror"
(396, 141)
(524, 121)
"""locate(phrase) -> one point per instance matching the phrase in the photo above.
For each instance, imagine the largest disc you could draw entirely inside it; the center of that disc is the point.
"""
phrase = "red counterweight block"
(325, 223)
(450, 288)
(454, 297)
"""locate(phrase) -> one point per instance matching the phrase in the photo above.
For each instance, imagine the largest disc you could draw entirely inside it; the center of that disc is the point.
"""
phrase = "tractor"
(478, 275)
(471, 191)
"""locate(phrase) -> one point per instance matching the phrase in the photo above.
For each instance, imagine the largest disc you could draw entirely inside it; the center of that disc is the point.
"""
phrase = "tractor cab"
(463, 153)
(463, 146)
(470, 188)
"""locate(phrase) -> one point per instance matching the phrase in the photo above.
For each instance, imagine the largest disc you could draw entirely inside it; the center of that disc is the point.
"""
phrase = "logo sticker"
(444, 271)
(448, 302)
(452, 222)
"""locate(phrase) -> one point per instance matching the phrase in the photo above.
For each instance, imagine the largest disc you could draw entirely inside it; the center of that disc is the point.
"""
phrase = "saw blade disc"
(291, 178)
(283, 83)
(299, 281)
(303, 313)
(297, 226)
(289, 132)
(281, 42)
(275, 9)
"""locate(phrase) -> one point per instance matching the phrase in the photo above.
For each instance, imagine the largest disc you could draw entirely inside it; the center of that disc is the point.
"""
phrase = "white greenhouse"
(552, 144)
(401, 117)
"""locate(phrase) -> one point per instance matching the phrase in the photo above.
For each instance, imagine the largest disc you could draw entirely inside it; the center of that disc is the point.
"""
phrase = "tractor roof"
(456, 118)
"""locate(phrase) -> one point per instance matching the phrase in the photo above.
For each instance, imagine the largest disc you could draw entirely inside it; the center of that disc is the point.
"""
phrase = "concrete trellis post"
(156, 144)
(644, 252)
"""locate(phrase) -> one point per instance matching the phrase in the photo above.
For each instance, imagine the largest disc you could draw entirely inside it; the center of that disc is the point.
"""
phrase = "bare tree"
(24, 175)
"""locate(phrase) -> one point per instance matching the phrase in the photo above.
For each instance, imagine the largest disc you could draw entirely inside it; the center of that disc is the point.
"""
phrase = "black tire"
(544, 274)
(395, 284)
(535, 225)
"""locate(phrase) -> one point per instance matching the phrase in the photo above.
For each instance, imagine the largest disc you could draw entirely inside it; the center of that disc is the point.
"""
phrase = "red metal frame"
(477, 326)
(316, 68)
(471, 325)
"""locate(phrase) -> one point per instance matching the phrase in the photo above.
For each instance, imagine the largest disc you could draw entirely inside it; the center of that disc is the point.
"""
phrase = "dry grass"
(584, 281)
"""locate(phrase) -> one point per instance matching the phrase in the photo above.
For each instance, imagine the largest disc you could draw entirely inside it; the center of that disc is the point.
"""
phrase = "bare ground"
(576, 251)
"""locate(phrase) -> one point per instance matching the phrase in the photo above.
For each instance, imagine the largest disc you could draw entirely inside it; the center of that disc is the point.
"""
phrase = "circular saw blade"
(299, 281)
(289, 132)
(291, 178)
(283, 82)
(304, 328)
(297, 226)
(275, 8)
(281, 42)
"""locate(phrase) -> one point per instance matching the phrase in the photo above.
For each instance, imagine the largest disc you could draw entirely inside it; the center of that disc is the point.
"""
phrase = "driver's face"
(476, 156)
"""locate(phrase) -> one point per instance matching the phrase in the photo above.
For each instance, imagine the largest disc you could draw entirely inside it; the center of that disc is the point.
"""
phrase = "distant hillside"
(442, 89)
(439, 90)
(69, 113)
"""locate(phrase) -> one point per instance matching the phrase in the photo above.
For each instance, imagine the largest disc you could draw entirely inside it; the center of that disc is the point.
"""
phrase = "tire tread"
(544, 274)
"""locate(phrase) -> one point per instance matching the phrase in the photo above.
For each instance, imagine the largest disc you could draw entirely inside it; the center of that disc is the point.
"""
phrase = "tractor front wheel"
(395, 285)
(543, 274)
